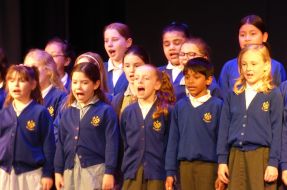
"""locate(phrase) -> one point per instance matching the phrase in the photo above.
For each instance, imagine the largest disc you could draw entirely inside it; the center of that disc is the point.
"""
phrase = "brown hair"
(29, 74)
(122, 29)
(98, 61)
(165, 94)
(93, 73)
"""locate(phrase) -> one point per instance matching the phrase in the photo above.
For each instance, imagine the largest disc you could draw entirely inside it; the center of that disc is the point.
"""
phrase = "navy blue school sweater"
(94, 138)
(121, 84)
(27, 141)
(193, 133)
(53, 101)
(283, 160)
(248, 129)
(145, 142)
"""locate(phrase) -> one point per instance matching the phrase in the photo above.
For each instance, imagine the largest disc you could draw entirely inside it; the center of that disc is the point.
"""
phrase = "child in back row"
(144, 130)
(52, 89)
(27, 142)
(250, 125)
(87, 148)
(193, 131)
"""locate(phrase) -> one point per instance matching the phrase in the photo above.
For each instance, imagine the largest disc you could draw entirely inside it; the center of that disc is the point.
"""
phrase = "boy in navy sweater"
(193, 132)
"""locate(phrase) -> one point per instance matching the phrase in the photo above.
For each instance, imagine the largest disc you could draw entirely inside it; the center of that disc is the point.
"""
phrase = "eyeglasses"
(189, 54)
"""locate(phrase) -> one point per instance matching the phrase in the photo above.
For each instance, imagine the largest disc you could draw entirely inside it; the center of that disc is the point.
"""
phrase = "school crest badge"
(265, 106)
(51, 110)
(31, 125)
(207, 117)
(95, 121)
(156, 125)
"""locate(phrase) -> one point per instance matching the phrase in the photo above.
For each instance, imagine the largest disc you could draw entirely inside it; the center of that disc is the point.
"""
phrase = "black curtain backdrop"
(30, 23)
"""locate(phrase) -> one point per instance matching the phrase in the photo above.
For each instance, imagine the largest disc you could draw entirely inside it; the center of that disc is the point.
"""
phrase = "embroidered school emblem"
(95, 121)
(31, 125)
(156, 125)
(265, 106)
(207, 117)
(51, 110)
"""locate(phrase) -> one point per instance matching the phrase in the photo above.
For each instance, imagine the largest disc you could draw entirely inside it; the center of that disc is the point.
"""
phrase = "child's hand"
(169, 183)
(108, 182)
(284, 176)
(271, 174)
(223, 173)
(59, 181)
(219, 185)
(46, 183)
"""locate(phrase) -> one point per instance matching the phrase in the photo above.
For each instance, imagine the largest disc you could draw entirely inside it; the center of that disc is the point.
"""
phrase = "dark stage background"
(26, 24)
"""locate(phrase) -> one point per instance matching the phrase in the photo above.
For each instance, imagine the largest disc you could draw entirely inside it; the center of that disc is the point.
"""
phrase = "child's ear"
(157, 85)
(33, 84)
(97, 84)
(209, 80)
(67, 61)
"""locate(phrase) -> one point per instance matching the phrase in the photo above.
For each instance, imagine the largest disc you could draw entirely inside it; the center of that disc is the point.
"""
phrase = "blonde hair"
(98, 61)
(267, 84)
(46, 60)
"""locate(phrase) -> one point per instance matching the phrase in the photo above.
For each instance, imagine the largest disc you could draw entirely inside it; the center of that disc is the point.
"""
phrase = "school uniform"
(192, 141)
(229, 74)
(176, 76)
(2, 97)
(250, 136)
(120, 84)
(145, 141)
(27, 146)
(66, 80)
(53, 100)
(88, 141)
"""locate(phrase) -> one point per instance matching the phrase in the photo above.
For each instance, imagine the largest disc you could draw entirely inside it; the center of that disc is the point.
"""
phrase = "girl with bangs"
(249, 139)
(27, 141)
(52, 89)
(87, 148)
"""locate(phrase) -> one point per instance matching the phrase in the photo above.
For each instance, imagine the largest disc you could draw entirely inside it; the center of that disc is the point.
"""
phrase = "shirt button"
(12, 134)
(76, 137)
(77, 128)
(80, 156)
(245, 116)
(242, 134)
(240, 143)
(142, 126)
(244, 125)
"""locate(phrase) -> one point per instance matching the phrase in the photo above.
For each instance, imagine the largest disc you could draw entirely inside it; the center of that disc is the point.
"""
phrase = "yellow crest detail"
(95, 121)
(31, 125)
(265, 106)
(51, 110)
(156, 125)
(207, 117)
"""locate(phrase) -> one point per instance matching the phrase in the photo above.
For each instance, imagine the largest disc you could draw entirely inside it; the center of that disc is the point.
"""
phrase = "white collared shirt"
(1, 84)
(84, 109)
(174, 69)
(199, 101)
(250, 93)
(117, 71)
(64, 79)
(19, 111)
(46, 91)
(146, 107)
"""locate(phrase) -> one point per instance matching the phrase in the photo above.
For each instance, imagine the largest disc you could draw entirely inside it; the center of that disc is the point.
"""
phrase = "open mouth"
(112, 52)
(141, 90)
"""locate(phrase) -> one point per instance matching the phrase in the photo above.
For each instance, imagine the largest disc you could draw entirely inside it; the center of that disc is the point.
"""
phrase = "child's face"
(115, 44)
(146, 83)
(196, 83)
(253, 67)
(131, 62)
(188, 51)
(19, 88)
(171, 42)
(44, 76)
(56, 51)
(82, 87)
(250, 34)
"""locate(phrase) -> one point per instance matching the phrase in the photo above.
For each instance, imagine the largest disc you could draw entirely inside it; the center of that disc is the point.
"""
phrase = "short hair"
(199, 65)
